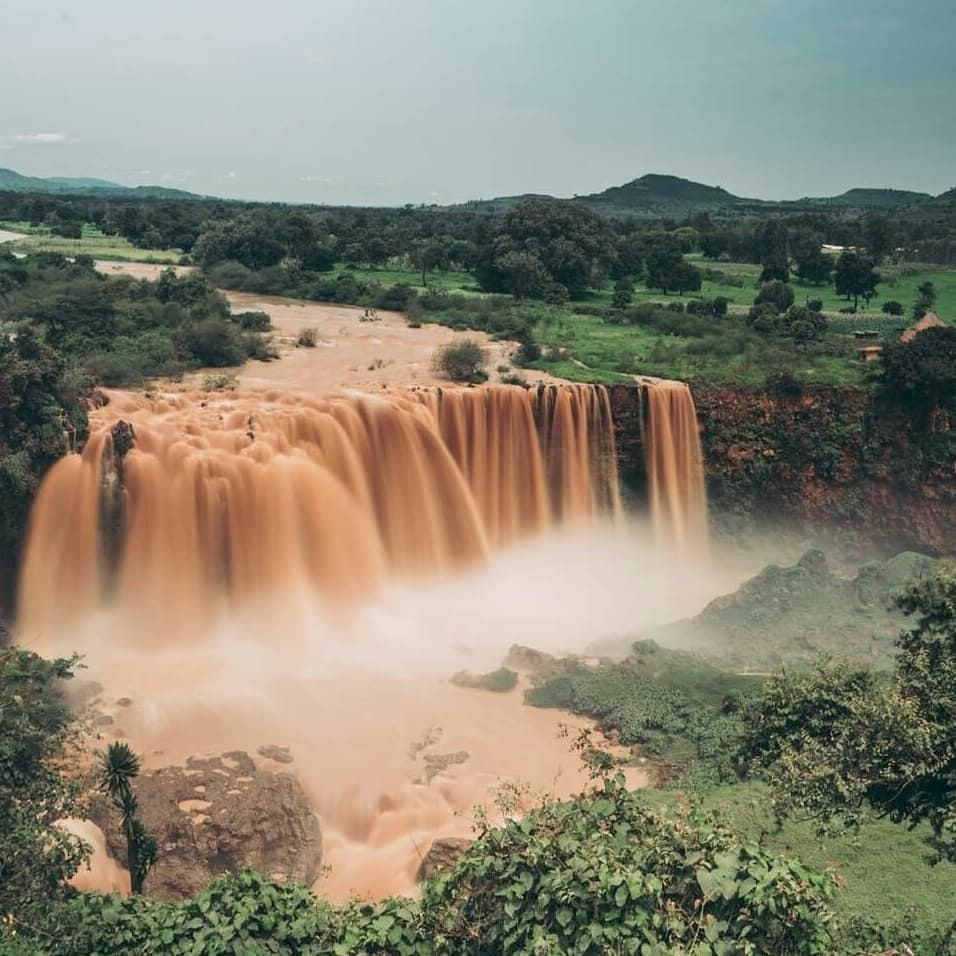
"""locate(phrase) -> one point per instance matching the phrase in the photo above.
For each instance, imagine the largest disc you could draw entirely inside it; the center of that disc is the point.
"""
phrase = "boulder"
(443, 854)
(219, 815)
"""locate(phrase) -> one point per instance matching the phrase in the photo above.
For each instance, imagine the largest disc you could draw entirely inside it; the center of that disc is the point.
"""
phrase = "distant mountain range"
(11, 181)
(653, 196)
(656, 195)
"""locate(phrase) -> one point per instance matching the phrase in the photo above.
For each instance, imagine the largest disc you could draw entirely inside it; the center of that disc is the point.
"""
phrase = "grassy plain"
(92, 243)
(884, 868)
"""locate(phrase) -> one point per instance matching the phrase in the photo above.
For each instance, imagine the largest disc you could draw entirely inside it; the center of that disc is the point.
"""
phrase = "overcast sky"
(393, 101)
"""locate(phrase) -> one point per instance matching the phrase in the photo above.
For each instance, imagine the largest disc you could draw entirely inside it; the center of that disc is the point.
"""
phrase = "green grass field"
(587, 348)
(884, 868)
(445, 281)
(93, 243)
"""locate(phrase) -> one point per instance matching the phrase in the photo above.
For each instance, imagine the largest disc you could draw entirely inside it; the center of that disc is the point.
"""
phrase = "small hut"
(929, 321)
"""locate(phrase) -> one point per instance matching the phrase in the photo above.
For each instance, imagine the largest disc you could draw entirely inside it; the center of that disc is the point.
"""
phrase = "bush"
(212, 342)
(308, 338)
(892, 307)
(776, 293)
(462, 361)
(720, 305)
(500, 681)
(253, 321)
(394, 298)
(815, 305)
(784, 384)
(605, 874)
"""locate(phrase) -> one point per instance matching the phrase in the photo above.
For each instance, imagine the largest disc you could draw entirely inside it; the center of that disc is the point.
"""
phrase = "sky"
(384, 102)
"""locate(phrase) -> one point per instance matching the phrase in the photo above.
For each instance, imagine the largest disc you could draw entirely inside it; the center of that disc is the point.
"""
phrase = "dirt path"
(7, 236)
(350, 354)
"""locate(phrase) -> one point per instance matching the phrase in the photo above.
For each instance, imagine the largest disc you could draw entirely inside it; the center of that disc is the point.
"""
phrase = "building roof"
(929, 321)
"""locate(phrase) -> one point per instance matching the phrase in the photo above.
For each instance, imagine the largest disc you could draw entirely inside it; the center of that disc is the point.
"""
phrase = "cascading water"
(234, 501)
(202, 558)
(675, 465)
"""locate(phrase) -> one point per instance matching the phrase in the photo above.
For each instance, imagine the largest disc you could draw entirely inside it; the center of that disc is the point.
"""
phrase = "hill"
(863, 198)
(657, 193)
(12, 181)
(787, 616)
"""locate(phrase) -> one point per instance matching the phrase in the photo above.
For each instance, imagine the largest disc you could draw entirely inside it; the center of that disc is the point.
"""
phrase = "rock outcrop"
(839, 463)
(219, 815)
(443, 854)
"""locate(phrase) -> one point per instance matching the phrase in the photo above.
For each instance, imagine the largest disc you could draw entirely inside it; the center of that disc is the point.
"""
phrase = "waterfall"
(251, 498)
(675, 464)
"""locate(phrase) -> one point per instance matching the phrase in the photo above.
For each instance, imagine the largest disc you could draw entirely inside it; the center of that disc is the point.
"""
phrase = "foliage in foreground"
(36, 738)
(599, 874)
(839, 743)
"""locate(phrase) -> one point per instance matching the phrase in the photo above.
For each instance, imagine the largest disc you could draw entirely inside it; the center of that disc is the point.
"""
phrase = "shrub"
(675, 307)
(720, 305)
(253, 321)
(784, 384)
(308, 338)
(212, 342)
(221, 381)
(776, 293)
(803, 324)
(605, 874)
(462, 361)
(513, 379)
(815, 305)
(394, 298)
(500, 681)
(892, 307)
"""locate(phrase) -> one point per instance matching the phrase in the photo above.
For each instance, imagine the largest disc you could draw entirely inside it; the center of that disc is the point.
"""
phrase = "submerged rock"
(219, 815)
(276, 753)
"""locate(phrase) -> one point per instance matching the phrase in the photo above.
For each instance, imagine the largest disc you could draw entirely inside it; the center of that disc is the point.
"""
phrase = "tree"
(119, 767)
(38, 408)
(686, 277)
(879, 235)
(568, 238)
(892, 307)
(854, 276)
(775, 267)
(776, 293)
(623, 294)
(426, 254)
(37, 738)
(663, 259)
(803, 324)
(525, 274)
(813, 265)
(926, 300)
(462, 361)
(841, 742)
(924, 368)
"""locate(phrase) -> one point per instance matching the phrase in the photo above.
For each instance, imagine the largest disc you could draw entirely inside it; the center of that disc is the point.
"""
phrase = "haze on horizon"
(373, 102)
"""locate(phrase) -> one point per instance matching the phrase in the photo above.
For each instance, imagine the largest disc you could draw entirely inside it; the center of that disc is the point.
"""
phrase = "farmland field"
(93, 243)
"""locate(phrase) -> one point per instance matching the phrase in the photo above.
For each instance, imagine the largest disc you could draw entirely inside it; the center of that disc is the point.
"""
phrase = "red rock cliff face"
(834, 459)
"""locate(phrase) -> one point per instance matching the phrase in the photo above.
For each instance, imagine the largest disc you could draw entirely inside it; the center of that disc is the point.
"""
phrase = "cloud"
(40, 139)
(316, 179)
(232, 174)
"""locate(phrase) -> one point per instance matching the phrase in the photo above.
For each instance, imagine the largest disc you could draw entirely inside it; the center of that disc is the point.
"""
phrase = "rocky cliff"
(819, 458)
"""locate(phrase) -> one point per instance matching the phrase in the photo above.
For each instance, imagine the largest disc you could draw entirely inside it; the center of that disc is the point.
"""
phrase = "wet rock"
(273, 752)
(443, 854)
(123, 438)
(219, 815)
(438, 763)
